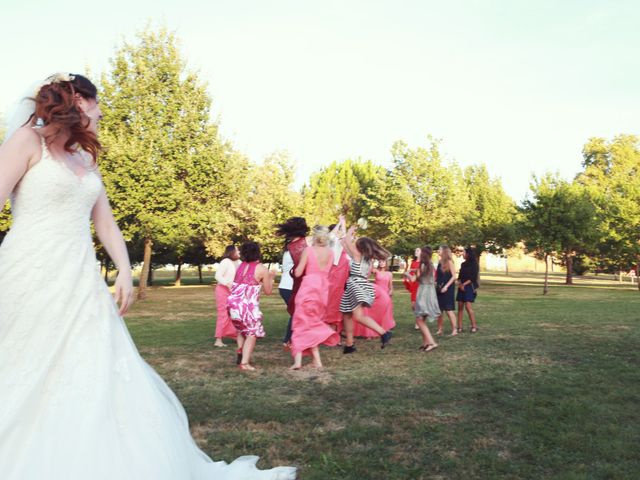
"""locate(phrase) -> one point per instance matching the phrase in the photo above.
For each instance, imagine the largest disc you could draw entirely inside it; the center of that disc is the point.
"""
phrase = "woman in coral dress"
(309, 327)
(338, 276)
(382, 309)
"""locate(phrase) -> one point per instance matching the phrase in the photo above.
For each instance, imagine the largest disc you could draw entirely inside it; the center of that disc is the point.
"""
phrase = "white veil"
(25, 106)
(22, 109)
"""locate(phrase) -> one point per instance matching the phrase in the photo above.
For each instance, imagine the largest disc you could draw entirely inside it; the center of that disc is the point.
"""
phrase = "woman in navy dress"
(467, 288)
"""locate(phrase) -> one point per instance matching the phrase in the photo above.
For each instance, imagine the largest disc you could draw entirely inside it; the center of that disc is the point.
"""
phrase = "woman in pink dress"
(225, 274)
(382, 309)
(309, 328)
(338, 276)
(244, 301)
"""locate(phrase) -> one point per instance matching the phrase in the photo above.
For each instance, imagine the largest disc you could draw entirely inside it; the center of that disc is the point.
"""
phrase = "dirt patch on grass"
(311, 374)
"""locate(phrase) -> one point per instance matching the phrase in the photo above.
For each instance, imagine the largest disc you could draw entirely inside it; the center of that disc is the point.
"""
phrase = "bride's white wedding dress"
(77, 402)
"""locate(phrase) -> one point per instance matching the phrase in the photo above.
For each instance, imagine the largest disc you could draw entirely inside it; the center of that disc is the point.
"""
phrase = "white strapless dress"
(77, 402)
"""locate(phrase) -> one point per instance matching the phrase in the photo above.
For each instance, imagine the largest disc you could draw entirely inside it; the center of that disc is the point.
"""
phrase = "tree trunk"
(391, 263)
(146, 264)
(506, 265)
(545, 289)
(638, 273)
(150, 279)
(106, 271)
(200, 274)
(568, 260)
(178, 281)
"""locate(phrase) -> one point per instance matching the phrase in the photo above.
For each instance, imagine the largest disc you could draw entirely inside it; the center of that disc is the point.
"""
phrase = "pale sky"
(515, 84)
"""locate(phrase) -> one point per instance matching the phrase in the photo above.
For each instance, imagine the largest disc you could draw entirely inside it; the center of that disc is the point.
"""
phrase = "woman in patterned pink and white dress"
(244, 301)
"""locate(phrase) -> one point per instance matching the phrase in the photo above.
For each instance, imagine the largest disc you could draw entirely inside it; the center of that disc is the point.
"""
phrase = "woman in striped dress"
(359, 292)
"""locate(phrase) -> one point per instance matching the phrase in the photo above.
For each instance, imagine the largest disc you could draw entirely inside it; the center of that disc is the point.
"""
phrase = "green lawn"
(549, 388)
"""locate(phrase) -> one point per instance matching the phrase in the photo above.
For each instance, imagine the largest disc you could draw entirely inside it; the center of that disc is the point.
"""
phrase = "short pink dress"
(381, 310)
(244, 301)
(309, 327)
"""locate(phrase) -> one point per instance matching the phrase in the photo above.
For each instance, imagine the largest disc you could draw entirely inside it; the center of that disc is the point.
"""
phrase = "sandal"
(430, 348)
(473, 329)
(460, 330)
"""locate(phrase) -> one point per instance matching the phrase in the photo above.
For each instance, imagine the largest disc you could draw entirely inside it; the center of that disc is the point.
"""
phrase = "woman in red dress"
(410, 282)
(294, 231)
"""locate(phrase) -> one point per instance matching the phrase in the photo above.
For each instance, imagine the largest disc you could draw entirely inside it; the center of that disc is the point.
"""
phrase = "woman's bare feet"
(246, 367)
(219, 344)
(433, 346)
(295, 367)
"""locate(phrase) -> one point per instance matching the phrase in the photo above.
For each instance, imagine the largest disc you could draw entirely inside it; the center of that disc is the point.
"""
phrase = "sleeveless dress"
(359, 290)
(338, 276)
(381, 310)
(309, 328)
(412, 286)
(77, 400)
(426, 298)
(244, 301)
(295, 249)
(446, 301)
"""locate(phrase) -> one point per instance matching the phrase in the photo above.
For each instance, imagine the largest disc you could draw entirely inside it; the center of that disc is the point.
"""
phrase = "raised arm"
(349, 244)
(111, 237)
(16, 155)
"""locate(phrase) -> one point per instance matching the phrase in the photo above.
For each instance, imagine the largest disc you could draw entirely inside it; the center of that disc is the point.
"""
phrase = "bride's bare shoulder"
(24, 137)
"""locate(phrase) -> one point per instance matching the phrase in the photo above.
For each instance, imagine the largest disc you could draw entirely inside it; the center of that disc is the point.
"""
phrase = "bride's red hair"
(56, 108)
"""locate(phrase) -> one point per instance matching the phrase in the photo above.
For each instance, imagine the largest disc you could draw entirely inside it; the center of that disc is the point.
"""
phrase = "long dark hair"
(56, 107)
(426, 265)
(471, 255)
(370, 249)
(294, 227)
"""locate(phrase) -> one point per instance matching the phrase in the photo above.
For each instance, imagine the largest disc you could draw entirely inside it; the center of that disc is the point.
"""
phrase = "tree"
(341, 188)
(269, 200)
(496, 211)
(422, 200)
(559, 219)
(162, 156)
(612, 177)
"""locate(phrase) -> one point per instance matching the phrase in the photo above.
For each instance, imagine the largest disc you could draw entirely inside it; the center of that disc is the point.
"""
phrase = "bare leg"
(439, 332)
(317, 362)
(472, 315)
(240, 341)
(452, 319)
(460, 314)
(413, 308)
(427, 338)
(347, 321)
(297, 362)
(247, 349)
(360, 317)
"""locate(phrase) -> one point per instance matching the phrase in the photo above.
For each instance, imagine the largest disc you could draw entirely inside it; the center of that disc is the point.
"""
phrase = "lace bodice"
(52, 202)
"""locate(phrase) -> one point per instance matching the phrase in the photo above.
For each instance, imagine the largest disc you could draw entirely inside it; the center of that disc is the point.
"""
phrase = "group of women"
(326, 288)
(432, 291)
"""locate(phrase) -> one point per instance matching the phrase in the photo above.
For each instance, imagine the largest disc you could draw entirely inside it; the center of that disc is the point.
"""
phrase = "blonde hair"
(320, 235)
(446, 258)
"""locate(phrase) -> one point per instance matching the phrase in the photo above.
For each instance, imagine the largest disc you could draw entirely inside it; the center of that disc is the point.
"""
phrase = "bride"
(77, 402)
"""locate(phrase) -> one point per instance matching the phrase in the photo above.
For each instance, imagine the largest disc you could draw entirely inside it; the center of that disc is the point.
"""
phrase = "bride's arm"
(15, 155)
(111, 237)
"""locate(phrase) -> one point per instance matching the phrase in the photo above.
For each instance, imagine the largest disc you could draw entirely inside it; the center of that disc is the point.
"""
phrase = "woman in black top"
(467, 288)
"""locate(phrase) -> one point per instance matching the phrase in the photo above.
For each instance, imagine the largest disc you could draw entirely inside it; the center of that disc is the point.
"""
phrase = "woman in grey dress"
(426, 299)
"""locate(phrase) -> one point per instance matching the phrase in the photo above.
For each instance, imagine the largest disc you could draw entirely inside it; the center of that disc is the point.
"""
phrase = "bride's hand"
(124, 295)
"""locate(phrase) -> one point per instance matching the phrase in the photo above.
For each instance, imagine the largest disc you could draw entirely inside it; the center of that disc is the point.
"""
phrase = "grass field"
(549, 388)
